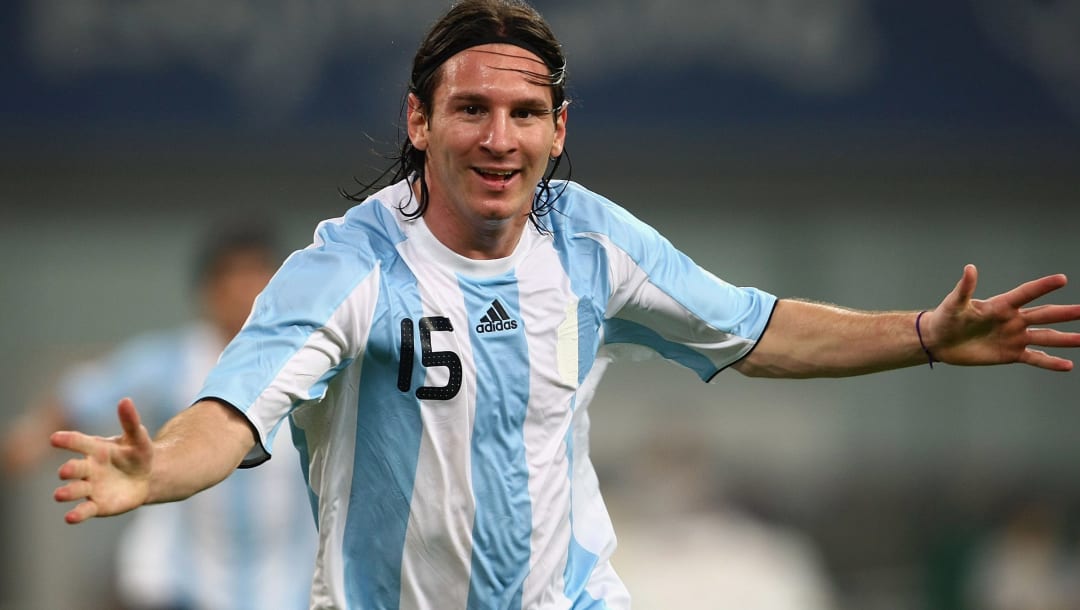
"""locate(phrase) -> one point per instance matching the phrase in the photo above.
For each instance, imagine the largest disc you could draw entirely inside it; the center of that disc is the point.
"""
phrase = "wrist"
(920, 320)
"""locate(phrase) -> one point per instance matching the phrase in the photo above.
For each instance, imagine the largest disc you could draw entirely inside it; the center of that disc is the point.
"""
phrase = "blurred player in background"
(436, 348)
(249, 543)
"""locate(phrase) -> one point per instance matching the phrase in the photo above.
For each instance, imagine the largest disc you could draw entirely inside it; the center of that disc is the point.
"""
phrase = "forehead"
(493, 69)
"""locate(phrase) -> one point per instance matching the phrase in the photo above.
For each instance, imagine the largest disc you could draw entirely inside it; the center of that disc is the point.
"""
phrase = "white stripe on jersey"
(442, 507)
(547, 422)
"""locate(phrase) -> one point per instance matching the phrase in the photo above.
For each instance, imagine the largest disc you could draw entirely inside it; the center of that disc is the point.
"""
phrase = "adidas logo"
(496, 319)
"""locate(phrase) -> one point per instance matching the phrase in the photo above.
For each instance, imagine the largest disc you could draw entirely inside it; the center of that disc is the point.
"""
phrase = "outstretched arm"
(195, 450)
(815, 340)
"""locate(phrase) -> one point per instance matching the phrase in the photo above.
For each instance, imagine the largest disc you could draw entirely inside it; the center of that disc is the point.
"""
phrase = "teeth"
(503, 173)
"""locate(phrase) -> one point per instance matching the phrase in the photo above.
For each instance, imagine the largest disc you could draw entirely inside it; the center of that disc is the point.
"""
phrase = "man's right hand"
(113, 476)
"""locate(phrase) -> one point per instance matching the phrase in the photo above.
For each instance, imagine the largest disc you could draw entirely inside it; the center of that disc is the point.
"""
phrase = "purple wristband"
(918, 331)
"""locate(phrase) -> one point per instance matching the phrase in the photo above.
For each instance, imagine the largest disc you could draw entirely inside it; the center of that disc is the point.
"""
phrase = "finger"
(73, 441)
(1043, 360)
(1029, 291)
(76, 490)
(74, 469)
(129, 417)
(1051, 314)
(1048, 337)
(81, 512)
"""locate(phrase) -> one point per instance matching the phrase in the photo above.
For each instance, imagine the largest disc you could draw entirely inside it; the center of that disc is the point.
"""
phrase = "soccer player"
(248, 543)
(436, 349)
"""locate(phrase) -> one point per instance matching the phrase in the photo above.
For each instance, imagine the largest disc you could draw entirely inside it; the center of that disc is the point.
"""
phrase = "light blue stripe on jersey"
(580, 564)
(502, 523)
(579, 561)
(387, 444)
(388, 433)
(299, 439)
(625, 331)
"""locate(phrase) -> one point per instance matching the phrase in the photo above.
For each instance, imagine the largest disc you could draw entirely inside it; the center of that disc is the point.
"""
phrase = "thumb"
(965, 288)
(130, 421)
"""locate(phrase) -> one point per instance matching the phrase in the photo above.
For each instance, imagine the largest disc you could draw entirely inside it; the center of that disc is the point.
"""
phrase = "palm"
(1002, 329)
(113, 475)
(117, 471)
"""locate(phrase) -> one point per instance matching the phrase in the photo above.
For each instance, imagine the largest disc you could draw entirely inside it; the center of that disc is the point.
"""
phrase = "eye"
(472, 109)
(530, 113)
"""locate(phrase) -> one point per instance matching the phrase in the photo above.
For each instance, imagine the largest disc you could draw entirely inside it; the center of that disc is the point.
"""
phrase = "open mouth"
(496, 175)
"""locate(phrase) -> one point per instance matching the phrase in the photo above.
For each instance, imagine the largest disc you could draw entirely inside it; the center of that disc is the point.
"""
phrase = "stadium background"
(845, 150)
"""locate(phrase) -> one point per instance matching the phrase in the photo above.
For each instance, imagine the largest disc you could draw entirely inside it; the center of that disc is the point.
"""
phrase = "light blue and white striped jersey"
(246, 543)
(440, 402)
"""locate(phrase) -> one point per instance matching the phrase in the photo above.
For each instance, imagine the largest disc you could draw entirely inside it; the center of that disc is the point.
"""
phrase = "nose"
(500, 138)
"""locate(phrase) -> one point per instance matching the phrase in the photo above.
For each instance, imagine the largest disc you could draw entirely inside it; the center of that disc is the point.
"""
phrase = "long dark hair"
(467, 24)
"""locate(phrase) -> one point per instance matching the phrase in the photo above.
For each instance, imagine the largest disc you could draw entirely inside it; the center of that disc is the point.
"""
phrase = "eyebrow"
(535, 103)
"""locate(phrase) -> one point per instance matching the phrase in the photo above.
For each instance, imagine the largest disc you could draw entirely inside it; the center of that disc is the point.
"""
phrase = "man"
(248, 543)
(436, 349)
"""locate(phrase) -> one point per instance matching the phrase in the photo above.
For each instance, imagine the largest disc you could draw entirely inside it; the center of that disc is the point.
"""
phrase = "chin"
(502, 208)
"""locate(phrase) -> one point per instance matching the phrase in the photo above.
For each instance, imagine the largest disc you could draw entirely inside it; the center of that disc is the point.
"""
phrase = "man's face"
(488, 138)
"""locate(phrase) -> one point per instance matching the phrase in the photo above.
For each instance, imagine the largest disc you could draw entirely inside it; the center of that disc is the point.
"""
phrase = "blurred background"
(846, 151)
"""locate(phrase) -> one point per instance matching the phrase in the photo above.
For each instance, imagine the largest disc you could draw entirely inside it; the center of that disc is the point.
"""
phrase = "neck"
(489, 241)
(473, 237)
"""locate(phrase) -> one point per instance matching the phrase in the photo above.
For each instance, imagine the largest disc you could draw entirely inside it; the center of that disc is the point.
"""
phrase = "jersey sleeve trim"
(764, 328)
(258, 453)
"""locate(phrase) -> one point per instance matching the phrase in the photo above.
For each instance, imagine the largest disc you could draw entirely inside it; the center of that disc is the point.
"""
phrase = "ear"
(560, 132)
(417, 123)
